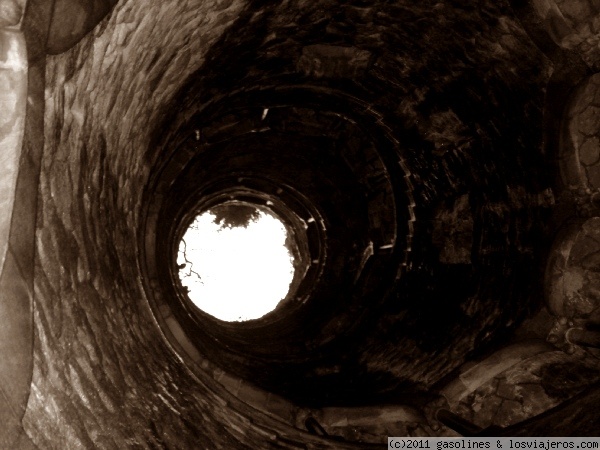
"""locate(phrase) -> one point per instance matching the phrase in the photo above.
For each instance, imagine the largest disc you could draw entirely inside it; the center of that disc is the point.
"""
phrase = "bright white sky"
(244, 272)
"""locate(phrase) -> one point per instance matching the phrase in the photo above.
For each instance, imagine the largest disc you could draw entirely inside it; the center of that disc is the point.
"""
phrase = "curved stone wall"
(413, 132)
(103, 376)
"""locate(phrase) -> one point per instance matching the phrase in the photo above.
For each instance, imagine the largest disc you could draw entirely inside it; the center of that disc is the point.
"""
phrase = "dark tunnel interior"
(435, 165)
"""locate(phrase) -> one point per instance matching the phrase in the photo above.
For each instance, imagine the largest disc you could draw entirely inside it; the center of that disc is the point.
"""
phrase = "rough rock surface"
(104, 377)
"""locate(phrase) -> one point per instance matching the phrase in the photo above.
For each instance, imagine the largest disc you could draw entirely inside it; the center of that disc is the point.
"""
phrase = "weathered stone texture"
(13, 94)
(574, 25)
(11, 12)
(579, 151)
(18, 178)
(573, 282)
(444, 97)
(530, 388)
(103, 376)
(453, 232)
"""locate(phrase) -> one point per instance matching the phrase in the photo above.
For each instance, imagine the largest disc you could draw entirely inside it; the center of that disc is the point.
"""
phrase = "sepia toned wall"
(451, 155)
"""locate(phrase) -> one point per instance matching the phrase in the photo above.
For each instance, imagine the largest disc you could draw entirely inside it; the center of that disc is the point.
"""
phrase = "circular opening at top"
(235, 263)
